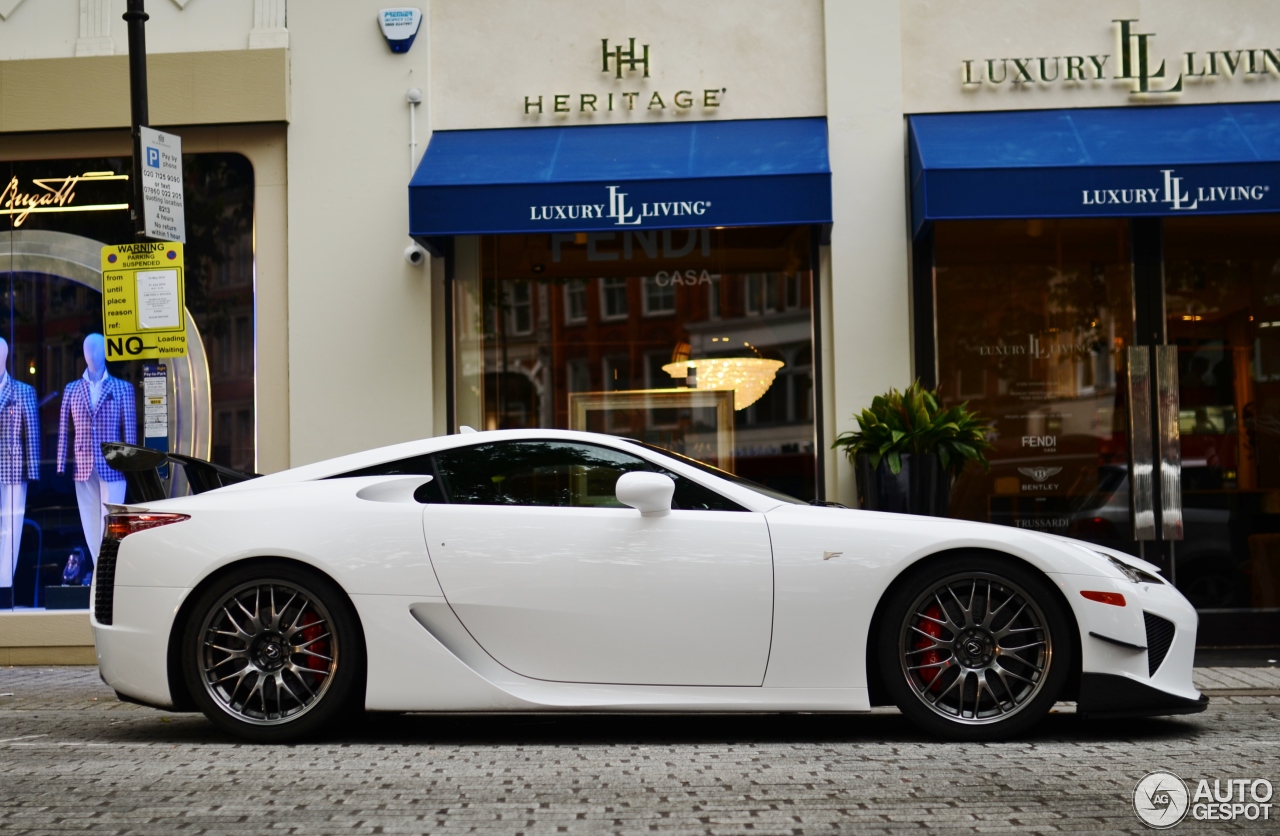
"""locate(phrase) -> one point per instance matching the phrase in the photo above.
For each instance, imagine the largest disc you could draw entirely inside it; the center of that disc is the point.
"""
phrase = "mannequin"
(96, 408)
(19, 464)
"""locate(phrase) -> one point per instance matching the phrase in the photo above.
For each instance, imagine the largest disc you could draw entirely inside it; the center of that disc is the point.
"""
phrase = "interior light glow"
(748, 377)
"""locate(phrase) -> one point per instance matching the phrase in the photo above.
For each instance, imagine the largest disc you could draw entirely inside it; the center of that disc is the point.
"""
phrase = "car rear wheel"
(974, 647)
(273, 653)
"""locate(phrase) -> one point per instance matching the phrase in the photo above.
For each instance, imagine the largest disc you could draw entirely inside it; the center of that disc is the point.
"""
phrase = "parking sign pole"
(136, 18)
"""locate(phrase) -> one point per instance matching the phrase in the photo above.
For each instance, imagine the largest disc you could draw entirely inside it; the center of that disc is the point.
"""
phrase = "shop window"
(578, 373)
(47, 317)
(519, 309)
(659, 295)
(243, 457)
(224, 425)
(244, 346)
(793, 291)
(801, 378)
(613, 298)
(617, 373)
(575, 301)
(754, 293)
(664, 300)
(1033, 318)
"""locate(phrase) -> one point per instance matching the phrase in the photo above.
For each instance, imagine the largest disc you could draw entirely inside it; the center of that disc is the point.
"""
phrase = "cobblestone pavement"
(74, 760)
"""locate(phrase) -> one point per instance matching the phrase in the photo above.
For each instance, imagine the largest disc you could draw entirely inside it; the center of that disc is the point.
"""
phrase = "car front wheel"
(974, 647)
(273, 653)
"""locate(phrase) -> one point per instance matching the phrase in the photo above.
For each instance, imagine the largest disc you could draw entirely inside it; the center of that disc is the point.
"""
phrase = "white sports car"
(545, 570)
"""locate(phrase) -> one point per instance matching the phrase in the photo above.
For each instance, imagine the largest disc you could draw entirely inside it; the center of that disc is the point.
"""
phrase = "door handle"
(1168, 441)
(1142, 511)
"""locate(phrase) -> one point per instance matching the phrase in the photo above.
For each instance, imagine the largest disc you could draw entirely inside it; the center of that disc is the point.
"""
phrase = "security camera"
(414, 95)
(415, 254)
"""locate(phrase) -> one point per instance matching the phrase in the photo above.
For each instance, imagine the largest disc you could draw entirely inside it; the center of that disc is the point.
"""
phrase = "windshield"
(723, 474)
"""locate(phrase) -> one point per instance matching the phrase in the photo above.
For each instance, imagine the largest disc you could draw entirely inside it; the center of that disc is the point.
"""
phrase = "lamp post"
(136, 18)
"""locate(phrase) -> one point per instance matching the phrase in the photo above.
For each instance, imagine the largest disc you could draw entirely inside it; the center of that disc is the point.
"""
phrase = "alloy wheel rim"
(268, 652)
(975, 648)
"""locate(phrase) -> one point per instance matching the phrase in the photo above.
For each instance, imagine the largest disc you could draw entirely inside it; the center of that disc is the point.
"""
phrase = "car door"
(557, 580)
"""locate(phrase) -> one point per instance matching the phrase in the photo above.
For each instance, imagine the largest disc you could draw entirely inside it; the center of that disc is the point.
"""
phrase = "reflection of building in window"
(575, 300)
(613, 298)
(579, 375)
(754, 294)
(617, 372)
(519, 309)
(244, 345)
(576, 344)
(659, 296)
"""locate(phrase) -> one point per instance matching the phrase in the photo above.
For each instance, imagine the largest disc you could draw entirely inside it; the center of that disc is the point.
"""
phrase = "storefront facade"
(631, 210)
(1095, 233)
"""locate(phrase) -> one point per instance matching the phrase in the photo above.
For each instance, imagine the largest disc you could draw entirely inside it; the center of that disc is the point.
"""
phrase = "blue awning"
(610, 177)
(1105, 162)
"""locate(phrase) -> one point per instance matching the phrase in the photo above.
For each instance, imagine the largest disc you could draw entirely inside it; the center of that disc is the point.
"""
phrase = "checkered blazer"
(19, 433)
(116, 419)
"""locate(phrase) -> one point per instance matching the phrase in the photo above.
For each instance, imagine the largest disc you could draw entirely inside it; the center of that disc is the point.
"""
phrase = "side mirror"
(648, 493)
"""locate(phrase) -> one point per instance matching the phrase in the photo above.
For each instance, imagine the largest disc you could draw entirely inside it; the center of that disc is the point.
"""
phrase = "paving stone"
(73, 760)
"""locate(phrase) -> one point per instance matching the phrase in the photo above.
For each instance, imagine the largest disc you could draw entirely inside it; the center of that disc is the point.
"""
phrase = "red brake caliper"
(312, 629)
(930, 657)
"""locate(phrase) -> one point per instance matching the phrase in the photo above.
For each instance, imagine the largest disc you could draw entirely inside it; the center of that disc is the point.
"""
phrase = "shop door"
(1222, 330)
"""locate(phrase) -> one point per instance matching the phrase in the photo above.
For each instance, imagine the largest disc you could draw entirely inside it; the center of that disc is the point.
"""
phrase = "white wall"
(488, 55)
(359, 316)
(50, 28)
(869, 313)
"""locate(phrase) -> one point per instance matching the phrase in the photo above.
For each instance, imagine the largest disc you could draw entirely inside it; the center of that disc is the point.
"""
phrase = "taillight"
(1115, 599)
(120, 526)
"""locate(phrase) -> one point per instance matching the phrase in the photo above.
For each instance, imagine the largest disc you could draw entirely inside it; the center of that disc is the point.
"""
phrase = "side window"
(555, 473)
(690, 496)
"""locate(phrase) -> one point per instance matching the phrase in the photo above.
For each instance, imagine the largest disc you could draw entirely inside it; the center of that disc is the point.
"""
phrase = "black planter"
(922, 486)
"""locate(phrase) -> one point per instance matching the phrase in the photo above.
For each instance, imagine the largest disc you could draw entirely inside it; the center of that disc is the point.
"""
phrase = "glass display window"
(696, 340)
(1033, 319)
(55, 216)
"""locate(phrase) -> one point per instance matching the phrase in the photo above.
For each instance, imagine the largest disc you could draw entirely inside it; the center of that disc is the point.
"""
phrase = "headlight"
(1133, 573)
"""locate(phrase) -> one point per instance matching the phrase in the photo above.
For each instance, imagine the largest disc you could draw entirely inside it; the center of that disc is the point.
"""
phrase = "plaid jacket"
(116, 419)
(19, 433)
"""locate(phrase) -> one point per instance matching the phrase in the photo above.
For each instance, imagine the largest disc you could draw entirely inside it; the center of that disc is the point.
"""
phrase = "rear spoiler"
(141, 469)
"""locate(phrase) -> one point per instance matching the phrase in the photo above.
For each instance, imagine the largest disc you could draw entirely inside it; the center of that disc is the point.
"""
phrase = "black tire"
(958, 678)
(289, 639)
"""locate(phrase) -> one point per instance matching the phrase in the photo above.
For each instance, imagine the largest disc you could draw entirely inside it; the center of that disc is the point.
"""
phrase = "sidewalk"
(1229, 682)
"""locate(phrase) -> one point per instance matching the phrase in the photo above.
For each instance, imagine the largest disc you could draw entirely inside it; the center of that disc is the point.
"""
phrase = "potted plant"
(908, 448)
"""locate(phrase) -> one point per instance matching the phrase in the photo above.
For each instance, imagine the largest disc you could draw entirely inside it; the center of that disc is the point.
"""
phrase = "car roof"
(368, 458)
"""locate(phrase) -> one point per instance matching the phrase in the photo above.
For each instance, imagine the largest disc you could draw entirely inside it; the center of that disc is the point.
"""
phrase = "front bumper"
(1135, 660)
(1104, 695)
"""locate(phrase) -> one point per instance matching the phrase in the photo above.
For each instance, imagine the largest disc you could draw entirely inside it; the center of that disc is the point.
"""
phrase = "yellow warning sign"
(144, 301)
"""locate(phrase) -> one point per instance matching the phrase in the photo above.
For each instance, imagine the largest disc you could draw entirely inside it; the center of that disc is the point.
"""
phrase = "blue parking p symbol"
(153, 157)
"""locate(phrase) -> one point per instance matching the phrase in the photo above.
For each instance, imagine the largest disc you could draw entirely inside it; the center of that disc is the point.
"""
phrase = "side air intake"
(1159, 637)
